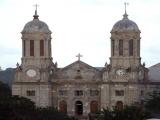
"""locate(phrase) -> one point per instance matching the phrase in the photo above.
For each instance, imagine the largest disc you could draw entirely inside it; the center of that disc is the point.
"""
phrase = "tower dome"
(36, 26)
(125, 25)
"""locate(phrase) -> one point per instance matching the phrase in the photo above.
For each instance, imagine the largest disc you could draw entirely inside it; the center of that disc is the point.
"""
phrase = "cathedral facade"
(79, 89)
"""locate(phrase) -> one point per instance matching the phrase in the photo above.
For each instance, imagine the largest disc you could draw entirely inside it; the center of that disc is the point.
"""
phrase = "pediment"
(79, 70)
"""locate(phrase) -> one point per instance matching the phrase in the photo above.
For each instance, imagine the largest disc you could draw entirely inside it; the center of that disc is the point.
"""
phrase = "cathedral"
(80, 89)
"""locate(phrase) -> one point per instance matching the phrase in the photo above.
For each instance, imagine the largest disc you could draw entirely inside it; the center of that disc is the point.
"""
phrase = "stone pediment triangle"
(81, 64)
(79, 70)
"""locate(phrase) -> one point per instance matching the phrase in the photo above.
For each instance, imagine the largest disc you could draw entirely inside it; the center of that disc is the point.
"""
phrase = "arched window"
(120, 47)
(63, 106)
(24, 48)
(41, 47)
(94, 106)
(130, 47)
(31, 47)
(112, 46)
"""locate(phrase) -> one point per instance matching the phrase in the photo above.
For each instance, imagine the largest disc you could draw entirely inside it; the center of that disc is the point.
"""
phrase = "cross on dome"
(35, 15)
(79, 56)
(125, 4)
(36, 5)
(125, 14)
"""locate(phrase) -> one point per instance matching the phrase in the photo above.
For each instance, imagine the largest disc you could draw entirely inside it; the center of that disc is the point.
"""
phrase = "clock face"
(31, 73)
(120, 72)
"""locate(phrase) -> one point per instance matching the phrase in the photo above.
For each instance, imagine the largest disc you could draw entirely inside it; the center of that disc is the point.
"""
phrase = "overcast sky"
(79, 26)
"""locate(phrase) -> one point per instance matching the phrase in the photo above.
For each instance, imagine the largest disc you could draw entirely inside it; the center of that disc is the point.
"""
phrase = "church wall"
(133, 94)
(71, 98)
(42, 95)
(16, 89)
(125, 62)
(105, 96)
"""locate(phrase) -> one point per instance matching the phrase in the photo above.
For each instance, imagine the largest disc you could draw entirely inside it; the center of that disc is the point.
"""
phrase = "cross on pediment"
(79, 56)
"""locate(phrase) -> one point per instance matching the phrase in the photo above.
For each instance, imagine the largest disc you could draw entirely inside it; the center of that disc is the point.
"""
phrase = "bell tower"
(32, 77)
(125, 60)
(125, 44)
(125, 73)
(36, 44)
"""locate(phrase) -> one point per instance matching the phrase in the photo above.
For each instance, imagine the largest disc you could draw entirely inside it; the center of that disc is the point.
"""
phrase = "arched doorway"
(94, 106)
(78, 108)
(119, 105)
(63, 106)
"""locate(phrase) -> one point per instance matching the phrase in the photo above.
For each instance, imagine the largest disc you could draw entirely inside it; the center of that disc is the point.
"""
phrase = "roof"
(36, 26)
(154, 73)
(125, 25)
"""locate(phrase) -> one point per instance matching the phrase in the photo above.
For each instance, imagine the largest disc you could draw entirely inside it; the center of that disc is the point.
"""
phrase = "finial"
(106, 64)
(79, 56)
(17, 64)
(35, 15)
(125, 16)
(56, 64)
(144, 64)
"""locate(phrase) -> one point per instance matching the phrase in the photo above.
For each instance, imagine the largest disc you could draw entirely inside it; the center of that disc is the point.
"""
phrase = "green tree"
(51, 113)
(15, 107)
(127, 113)
(4, 89)
(21, 108)
(152, 102)
(106, 114)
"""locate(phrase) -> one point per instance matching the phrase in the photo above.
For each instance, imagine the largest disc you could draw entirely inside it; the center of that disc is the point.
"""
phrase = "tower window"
(130, 47)
(41, 47)
(31, 47)
(24, 48)
(120, 47)
(113, 44)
